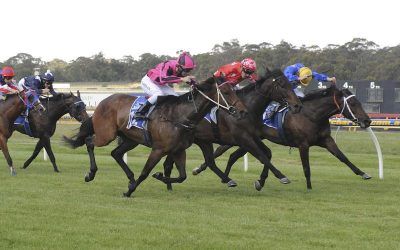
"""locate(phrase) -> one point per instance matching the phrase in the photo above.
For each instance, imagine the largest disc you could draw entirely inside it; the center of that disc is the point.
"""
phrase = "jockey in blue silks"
(42, 84)
(298, 74)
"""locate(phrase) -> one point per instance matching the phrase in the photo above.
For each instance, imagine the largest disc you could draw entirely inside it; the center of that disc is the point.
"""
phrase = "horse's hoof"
(366, 176)
(232, 183)
(57, 171)
(257, 186)
(127, 195)
(13, 172)
(169, 187)
(285, 180)
(158, 175)
(194, 171)
(89, 177)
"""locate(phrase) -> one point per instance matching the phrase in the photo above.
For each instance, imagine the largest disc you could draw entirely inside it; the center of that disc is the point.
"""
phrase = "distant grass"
(44, 210)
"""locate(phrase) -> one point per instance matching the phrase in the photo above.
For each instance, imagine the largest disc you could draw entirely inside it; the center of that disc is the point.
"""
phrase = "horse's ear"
(78, 93)
(267, 71)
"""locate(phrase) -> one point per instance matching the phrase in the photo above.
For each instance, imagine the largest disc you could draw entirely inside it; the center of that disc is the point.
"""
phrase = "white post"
(126, 158)
(45, 155)
(246, 162)
(378, 150)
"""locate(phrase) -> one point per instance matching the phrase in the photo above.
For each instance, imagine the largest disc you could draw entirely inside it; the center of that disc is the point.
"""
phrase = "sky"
(67, 29)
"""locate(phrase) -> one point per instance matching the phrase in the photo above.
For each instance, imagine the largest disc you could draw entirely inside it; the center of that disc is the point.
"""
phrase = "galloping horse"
(311, 127)
(168, 135)
(44, 126)
(10, 109)
(274, 86)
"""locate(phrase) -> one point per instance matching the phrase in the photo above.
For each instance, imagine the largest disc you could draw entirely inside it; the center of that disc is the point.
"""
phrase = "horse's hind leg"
(332, 147)
(38, 147)
(118, 154)
(93, 166)
(4, 148)
(217, 153)
(47, 146)
(154, 157)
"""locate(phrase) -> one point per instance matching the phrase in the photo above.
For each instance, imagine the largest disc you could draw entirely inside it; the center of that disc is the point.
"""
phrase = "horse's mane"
(318, 93)
(269, 74)
(171, 99)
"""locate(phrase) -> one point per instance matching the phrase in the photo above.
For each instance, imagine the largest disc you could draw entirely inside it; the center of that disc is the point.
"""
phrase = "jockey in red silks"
(7, 86)
(236, 72)
(155, 82)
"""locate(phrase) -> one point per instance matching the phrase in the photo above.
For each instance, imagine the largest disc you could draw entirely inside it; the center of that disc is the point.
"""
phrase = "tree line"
(359, 59)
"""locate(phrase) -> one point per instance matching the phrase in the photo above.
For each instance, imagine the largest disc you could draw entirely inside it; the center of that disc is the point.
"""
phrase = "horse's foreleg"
(208, 153)
(305, 160)
(93, 166)
(332, 147)
(168, 165)
(278, 174)
(4, 148)
(180, 161)
(38, 147)
(240, 152)
(118, 154)
(154, 157)
(47, 146)
(217, 153)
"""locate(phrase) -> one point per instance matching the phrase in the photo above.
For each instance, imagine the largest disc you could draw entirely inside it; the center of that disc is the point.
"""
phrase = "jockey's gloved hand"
(186, 79)
(332, 79)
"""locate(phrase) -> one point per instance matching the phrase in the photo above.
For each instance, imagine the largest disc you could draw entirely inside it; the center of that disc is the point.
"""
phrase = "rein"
(226, 106)
(345, 104)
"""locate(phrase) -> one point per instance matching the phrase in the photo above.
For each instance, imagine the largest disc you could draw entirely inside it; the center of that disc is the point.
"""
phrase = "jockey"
(299, 74)
(155, 82)
(7, 86)
(236, 72)
(42, 84)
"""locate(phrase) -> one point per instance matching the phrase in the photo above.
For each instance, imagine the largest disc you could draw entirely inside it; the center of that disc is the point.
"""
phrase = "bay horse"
(10, 109)
(311, 127)
(274, 86)
(44, 126)
(168, 135)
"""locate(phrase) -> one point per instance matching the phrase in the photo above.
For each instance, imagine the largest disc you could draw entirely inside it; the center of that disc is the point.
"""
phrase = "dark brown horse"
(169, 136)
(10, 109)
(274, 86)
(44, 126)
(309, 128)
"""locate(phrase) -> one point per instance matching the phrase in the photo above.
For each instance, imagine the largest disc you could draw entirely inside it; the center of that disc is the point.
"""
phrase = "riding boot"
(142, 111)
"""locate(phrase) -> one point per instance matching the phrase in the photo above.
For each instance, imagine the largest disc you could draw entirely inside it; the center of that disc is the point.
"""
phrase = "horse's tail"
(85, 131)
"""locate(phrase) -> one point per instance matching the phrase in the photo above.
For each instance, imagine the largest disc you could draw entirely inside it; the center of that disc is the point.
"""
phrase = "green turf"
(44, 210)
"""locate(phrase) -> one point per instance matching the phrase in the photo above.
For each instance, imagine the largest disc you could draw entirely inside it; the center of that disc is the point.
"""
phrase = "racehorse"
(309, 128)
(10, 109)
(168, 135)
(274, 86)
(44, 126)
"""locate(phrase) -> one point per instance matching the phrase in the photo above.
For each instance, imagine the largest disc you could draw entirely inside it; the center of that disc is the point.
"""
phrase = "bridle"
(229, 108)
(345, 105)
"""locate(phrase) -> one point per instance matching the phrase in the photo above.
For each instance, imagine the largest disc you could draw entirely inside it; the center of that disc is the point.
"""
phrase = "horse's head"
(75, 106)
(223, 96)
(275, 85)
(350, 107)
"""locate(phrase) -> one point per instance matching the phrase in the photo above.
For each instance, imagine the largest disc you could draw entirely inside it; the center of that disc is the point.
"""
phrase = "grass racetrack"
(45, 210)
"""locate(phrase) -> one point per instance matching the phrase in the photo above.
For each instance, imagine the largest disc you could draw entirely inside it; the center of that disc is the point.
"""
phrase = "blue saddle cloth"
(212, 116)
(276, 121)
(138, 123)
(23, 120)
